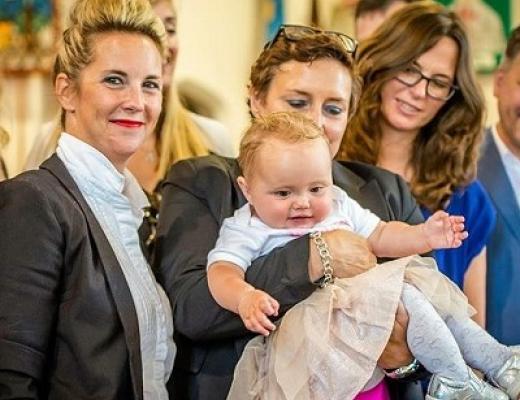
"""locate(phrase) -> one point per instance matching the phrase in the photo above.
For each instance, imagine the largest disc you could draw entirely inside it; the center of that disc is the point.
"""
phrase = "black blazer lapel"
(368, 193)
(494, 176)
(222, 191)
(116, 280)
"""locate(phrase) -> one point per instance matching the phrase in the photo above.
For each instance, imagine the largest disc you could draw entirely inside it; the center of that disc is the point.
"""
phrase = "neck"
(144, 163)
(507, 141)
(395, 151)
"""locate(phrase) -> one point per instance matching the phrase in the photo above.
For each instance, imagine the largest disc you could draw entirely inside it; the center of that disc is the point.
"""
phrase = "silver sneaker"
(442, 388)
(508, 377)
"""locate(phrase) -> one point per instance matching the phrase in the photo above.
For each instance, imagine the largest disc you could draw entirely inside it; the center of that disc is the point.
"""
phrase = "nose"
(420, 88)
(316, 114)
(134, 100)
(300, 202)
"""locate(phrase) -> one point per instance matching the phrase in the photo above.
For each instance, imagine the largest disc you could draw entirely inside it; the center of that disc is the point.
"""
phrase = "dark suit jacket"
(198, 195)
(68, 327)
(503, 248)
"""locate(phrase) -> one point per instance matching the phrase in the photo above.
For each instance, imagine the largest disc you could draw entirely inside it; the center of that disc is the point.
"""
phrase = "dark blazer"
(68, 324)
(198, 195)
(503, 248)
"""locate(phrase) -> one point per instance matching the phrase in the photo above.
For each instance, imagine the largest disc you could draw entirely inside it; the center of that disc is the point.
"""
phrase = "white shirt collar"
(503, 150)
(510, 161)
(96, 168)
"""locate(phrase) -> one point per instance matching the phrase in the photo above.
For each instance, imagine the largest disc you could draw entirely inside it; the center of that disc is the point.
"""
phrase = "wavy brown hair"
(445, 152)
(309, 48)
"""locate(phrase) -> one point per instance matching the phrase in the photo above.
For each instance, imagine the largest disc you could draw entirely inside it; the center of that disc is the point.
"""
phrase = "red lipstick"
(127, 123)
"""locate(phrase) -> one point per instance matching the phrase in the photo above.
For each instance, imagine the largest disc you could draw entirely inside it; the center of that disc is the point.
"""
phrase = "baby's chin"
(300, 223)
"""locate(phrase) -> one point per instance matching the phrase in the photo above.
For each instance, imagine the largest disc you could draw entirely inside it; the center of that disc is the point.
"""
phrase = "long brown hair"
(444, 155)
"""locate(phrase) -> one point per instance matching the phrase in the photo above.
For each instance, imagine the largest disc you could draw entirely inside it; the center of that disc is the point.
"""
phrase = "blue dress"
(475, 205)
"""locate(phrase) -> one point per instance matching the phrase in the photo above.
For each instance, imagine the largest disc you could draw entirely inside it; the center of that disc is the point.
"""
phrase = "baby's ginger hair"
(287, 127)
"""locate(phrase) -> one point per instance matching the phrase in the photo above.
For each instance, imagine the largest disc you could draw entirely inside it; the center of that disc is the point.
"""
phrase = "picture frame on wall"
(29, 31)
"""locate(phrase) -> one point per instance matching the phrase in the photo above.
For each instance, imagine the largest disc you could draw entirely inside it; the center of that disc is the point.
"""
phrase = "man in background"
(499, 172)
(370, 14)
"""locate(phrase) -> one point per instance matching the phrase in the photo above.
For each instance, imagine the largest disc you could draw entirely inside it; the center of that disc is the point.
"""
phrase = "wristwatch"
(403, 372)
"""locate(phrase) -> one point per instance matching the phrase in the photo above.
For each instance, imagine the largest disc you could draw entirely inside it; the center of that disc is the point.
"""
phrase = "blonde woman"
(179, 134)
(82, 314)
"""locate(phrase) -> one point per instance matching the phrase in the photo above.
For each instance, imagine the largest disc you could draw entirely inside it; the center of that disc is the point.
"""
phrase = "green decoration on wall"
(487, 23)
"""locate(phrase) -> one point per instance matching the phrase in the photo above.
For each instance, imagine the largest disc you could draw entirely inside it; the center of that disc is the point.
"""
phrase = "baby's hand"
(254, 308)
(444, 231)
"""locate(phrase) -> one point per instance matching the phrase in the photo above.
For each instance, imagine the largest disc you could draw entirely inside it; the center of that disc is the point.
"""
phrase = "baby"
(287, 180)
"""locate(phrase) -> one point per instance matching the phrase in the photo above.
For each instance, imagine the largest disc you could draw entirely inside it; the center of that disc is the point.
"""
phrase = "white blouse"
(117, 201)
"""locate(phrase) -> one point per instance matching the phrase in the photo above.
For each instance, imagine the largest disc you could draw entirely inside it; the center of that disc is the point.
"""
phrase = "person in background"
(499, 172)
(82, 315)
(420, 116)
(179, 134)
(309, 71)
(370, 14)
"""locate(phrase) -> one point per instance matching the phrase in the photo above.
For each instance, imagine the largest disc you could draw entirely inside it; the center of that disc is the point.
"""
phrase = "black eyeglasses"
(298, 32)
(436, 88)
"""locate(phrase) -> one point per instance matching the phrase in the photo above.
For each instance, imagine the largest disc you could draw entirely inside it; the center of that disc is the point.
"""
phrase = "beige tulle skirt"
(327, 346)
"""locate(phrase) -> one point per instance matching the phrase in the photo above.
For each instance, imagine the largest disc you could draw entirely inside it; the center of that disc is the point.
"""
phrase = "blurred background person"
(499, 172)
(420, 116)
(370, 14)
(82, 314)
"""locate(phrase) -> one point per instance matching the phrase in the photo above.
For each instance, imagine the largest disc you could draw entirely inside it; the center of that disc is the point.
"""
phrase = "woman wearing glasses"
(303, 70)
(420, 116)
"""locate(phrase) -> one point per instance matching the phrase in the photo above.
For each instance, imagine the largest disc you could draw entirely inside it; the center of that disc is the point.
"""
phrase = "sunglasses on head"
(298, 32)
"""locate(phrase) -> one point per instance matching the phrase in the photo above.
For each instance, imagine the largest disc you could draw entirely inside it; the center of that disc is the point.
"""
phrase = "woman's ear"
(242, 182)
(255, 103)
(65, 92)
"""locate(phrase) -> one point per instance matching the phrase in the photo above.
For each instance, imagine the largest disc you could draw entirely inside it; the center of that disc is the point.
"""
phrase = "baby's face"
(290, 186)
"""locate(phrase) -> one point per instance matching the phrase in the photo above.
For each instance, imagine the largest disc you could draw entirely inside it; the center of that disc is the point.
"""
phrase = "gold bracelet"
(326, 259)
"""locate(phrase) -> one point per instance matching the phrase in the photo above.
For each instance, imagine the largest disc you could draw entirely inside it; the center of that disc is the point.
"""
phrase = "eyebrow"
(304, 93)
(123, 73)
(170, 20)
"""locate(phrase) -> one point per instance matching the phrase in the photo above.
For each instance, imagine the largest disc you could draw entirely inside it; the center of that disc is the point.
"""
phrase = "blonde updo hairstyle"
(88, 18)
